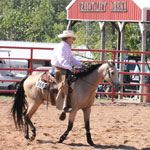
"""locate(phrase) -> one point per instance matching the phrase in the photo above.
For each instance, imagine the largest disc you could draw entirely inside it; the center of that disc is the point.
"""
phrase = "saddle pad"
(40, 84)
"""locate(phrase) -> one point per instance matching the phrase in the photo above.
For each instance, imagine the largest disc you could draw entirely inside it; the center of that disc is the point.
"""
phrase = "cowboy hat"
(67, 33)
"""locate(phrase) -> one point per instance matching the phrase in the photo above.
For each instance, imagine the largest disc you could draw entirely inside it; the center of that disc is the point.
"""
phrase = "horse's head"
(111, 75)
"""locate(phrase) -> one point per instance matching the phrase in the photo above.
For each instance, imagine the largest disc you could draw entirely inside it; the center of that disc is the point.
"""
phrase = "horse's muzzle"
(117, 87)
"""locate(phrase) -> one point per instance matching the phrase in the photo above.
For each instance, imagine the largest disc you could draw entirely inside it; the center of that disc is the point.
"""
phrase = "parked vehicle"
(9, 75)
(135, 68)
(129, 67)
(4, 84)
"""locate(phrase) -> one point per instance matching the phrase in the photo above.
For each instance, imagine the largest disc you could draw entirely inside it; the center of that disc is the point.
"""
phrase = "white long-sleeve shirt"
(63, 57)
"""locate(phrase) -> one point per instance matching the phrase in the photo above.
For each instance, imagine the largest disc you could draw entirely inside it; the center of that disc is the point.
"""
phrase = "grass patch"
(103, 99)
(6, 97)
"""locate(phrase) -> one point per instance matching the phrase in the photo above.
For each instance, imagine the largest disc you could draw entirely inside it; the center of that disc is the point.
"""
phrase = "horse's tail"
(62, 116)
(19, 105)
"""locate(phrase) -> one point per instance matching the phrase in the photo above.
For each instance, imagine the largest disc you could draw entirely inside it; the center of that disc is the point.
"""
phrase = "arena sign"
(116, 6)
(109, 10)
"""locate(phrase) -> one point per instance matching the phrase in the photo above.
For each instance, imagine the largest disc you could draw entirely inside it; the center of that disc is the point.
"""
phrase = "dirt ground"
(118, 126)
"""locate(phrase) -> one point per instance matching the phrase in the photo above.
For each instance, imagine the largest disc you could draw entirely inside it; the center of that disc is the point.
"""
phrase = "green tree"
(32, 20)
(133, 37)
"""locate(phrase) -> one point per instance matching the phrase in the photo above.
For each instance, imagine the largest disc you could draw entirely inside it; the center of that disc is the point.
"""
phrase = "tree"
(32, 20)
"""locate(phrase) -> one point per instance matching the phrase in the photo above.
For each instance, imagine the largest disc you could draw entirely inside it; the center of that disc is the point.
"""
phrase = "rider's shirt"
(63, 57)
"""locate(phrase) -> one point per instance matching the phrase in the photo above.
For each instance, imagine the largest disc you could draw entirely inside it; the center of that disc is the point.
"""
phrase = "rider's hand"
(73, 70)
(84, 67)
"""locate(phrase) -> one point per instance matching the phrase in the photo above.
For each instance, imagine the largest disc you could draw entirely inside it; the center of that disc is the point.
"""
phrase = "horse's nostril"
(120, 87)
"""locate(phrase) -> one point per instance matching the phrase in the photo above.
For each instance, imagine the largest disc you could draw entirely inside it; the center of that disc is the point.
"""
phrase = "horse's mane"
(87, 71)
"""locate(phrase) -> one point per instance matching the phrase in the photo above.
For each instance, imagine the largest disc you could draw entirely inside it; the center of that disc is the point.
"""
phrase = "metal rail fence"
(114, 53)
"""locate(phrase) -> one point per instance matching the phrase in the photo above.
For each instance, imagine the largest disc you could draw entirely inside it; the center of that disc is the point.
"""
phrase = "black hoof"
(91, 143)
(60, 141)
(62, 116)
(32, 138)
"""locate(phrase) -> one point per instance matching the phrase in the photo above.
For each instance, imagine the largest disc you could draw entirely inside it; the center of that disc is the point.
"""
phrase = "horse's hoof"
(60, 141)
(32, 138)
(62, 116)
(91, 143)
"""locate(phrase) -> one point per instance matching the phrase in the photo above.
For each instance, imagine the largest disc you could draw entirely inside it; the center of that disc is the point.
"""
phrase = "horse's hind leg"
(87, 112)
(69, 128)
(31, 110)
(26, 128)
(33, 129)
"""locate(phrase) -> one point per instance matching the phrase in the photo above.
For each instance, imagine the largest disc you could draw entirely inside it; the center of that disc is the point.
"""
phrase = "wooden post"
(69, 27)
(122, 44)
(118, 42)
(87, 35)
(103, 43)
(143, 32)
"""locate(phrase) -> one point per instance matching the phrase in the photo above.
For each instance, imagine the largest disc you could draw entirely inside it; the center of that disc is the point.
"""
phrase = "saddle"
(48, 77)
(47, 81)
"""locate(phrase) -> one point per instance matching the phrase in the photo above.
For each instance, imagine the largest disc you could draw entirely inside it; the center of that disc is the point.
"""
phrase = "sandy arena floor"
(113, 127)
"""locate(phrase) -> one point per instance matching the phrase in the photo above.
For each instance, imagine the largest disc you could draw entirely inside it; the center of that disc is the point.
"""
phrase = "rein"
(95, 85)
(74, 78)
(110, 77)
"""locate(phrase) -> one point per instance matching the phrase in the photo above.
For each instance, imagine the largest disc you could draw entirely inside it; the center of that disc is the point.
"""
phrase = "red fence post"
(31, 61)
(112, 89)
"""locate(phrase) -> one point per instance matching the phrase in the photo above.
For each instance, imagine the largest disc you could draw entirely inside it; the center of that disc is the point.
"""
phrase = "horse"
(82, 97)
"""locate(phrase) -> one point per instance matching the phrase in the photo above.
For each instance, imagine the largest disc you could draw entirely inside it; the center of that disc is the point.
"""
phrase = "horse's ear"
(111, 63)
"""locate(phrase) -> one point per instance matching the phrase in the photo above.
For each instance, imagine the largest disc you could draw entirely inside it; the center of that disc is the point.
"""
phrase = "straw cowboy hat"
(67, 33)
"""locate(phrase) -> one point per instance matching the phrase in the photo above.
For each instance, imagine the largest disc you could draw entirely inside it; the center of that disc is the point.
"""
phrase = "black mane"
(87, 71)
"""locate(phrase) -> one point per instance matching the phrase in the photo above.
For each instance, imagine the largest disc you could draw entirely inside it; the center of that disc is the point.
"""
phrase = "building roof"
(109, 10)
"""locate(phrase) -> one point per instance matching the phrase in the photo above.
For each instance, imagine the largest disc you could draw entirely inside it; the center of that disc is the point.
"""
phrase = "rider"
(62, 60)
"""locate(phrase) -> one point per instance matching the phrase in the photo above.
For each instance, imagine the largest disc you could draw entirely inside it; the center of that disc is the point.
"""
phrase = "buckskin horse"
(82, 97)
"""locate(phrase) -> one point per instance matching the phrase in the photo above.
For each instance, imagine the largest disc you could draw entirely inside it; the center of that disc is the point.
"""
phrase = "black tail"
(19, 105)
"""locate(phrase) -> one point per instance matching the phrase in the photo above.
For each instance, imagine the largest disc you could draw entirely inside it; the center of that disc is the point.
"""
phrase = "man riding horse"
(62, 60)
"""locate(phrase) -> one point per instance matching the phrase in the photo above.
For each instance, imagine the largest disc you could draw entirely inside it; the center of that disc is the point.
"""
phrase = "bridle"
(109, 74)
(110, 77)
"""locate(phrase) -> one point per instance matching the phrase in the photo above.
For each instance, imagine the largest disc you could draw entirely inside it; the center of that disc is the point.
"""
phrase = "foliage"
(43, 20)
(32, 20)
(133, 37)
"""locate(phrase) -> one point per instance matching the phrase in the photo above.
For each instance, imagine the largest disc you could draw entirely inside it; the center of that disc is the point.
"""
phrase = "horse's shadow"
(96, 146)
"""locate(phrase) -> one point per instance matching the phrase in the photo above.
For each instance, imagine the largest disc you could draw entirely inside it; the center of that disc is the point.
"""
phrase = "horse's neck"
(95, 78)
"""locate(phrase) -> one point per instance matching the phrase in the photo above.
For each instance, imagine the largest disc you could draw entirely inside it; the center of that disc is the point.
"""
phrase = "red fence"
(113, 52)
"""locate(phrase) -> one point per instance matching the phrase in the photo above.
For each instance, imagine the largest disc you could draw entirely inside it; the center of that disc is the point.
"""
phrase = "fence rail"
(31, 59)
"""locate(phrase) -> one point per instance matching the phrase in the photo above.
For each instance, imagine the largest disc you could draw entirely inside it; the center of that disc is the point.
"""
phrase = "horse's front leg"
(87, 112)
(69, 128)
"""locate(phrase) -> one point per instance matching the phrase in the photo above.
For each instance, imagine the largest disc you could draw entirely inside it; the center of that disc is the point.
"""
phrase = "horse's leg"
(87, 112)
(33, 129)
(26, 130)
(26, 127)
(33, 106)
(70, 125)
